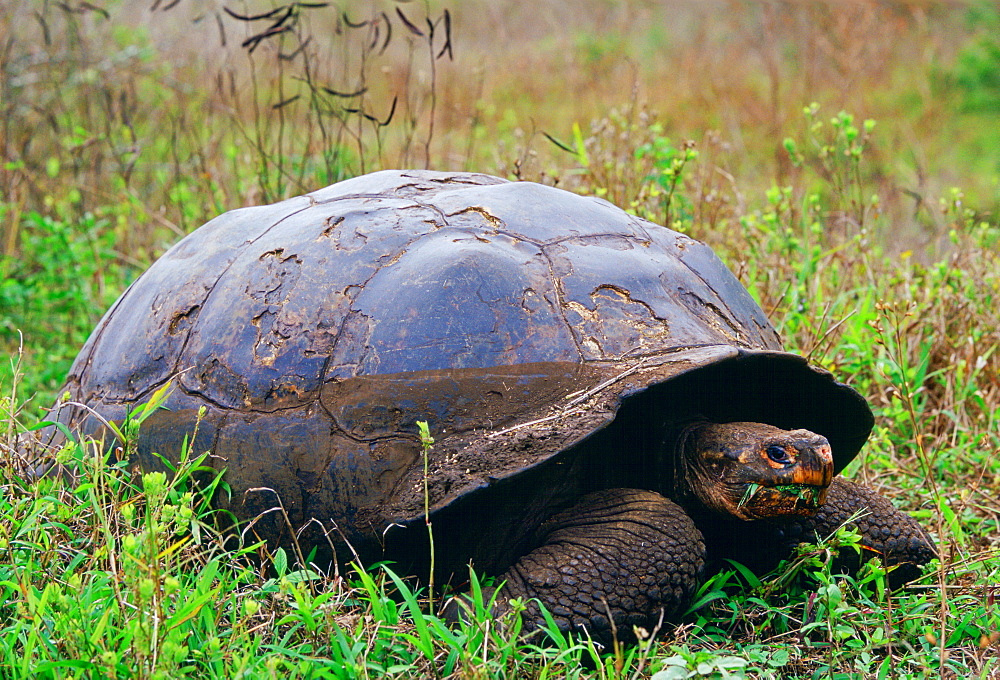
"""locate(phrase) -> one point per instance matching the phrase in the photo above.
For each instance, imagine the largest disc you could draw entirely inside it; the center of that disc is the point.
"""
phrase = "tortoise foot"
(620, 558)
(886, 532)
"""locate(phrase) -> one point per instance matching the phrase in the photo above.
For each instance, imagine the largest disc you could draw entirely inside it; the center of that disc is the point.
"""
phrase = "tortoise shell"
(553, 343)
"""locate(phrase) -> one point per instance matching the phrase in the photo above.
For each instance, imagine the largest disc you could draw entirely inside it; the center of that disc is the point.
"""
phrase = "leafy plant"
(56, 289)
(668, 163)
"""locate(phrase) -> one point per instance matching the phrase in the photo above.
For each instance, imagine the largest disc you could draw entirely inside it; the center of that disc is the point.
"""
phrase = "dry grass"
(121, 101)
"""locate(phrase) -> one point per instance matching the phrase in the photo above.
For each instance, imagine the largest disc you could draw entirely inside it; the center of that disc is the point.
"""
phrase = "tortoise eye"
(778, 454)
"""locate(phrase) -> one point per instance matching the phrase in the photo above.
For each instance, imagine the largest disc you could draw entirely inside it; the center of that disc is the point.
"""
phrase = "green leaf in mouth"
(751, 491)
(803, 492)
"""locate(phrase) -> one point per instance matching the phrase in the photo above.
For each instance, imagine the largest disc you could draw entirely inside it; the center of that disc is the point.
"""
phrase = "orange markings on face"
(811, 476)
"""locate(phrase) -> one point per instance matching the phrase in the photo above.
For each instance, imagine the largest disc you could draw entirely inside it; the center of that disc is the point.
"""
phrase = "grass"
(873, 247)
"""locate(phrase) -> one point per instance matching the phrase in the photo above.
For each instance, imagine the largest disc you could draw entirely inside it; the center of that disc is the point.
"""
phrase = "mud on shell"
(531, 327)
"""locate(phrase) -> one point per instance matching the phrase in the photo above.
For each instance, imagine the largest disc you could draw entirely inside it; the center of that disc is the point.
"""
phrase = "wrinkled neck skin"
(750, 471)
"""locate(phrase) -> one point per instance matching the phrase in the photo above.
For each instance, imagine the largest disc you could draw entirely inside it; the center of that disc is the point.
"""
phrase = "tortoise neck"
(677, 478)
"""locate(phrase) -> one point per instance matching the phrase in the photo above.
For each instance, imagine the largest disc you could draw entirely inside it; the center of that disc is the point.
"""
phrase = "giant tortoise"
(612, 411)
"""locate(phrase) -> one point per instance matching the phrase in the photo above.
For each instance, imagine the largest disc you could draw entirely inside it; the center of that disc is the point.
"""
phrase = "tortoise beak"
(811, 462)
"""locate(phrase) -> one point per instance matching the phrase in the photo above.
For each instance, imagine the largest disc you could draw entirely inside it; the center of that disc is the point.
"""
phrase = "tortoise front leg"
(886, 532)
(630, 553)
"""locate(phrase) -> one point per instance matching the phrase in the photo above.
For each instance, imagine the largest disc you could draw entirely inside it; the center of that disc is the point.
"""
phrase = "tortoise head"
(753, 470)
